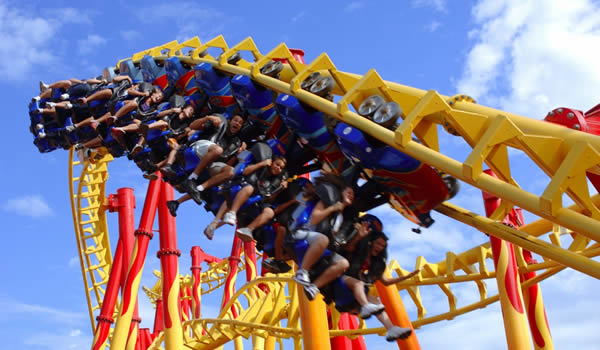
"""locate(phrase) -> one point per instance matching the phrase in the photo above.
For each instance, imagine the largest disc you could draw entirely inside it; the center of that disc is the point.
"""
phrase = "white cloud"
(530, 57)
(71, 15)
(90, 43)
(438, 5)
(130, 35)
(353, 6)
(433, 26)
(30, 205)
(28, 40)
(23, 42)
(74, 261)
(59, 340)
(297, 17)
(16, 308)
(188, 19)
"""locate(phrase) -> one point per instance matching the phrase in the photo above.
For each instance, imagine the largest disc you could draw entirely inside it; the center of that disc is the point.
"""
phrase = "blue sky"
(523, 57)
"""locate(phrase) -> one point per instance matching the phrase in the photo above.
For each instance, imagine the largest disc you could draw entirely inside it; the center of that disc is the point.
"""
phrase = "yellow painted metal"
(87, 193)
(515, 320)
(313, 317)
(564, 155)
(394, 307)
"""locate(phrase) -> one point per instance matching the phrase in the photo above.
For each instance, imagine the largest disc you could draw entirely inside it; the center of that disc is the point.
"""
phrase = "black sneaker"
(189, 186)
(172, 206)
(283, 266)
(271, 265)
(168, 171)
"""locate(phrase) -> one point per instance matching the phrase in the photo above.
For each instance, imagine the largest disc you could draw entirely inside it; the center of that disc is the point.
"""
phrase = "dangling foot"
(302, 277)
(152, 176)
(172, 206)
(136, 149)
(245, 234)
(230, 218)
(209, 231)
(396, 333)
(43, 86)
(370, 309)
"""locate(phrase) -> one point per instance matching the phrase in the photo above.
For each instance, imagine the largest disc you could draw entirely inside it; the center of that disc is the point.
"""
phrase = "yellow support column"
(394, 307)
(313, 317)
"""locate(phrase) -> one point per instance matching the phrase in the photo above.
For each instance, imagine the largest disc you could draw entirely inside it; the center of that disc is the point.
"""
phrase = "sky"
(526, 57)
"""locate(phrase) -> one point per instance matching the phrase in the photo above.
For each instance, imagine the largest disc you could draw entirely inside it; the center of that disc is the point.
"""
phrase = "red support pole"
(358, 343)
(159, 322)
(124, 203)
(234, 259)
(507, 277)
(168, 255)
(196, 281)
(250, 258)
(134, 274)
(341, 342)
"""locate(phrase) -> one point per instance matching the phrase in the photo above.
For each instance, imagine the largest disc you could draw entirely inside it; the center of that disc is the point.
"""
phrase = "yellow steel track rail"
(91, 232)
(563, 154)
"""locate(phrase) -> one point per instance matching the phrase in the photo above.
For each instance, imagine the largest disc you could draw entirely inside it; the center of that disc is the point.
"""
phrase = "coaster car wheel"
(311, 79)
(387, 115)
(371, 104)
(323, 86)
(272, 69)
(452, 184)
(234, 59)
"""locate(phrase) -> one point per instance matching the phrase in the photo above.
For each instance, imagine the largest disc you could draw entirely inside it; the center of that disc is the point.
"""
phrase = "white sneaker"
(230, 218)
(311, 291)
(43, 86)
(396, 332)
(51, 104)
(81, 152)
(35, 99)
(302, 277)
(370, 309)
(245, 234)
(64, 97)
(41, 134)
(39, 126)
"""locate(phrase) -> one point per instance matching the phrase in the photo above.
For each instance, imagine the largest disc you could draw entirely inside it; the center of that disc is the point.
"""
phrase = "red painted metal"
(168, 255)
(250, 258)
(124, 203)
(575, 119)
(512, 284)
(144, 339)
(342, 342)
(358, 343)
(234, 259)
(143, 237)
(159, 322)
(296, 53)
(536, 313)
(198, 257)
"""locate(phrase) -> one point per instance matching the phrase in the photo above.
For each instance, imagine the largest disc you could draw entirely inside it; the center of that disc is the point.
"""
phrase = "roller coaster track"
(564, 155)
(91, 232)
(266, 312)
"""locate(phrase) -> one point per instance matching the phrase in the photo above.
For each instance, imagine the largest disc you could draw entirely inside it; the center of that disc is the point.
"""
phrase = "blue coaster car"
(258, 102)
(180, 77)
(341, 295)
(153, 73)
(310, 125)
(127, 67)
(414, 188)
(216, 86)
